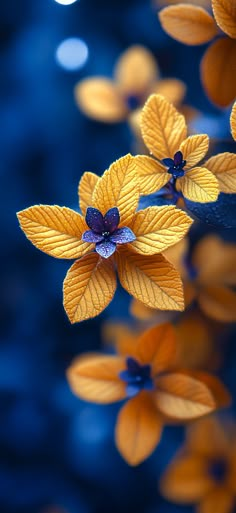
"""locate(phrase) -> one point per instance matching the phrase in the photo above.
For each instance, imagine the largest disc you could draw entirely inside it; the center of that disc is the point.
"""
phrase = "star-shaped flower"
(110, 225)
(193, 25)
(154, 391)
(175, 165)
(204, 470)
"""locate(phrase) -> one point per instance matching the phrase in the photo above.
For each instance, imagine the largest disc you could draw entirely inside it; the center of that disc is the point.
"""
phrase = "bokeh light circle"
(65, 2)
(72, 54)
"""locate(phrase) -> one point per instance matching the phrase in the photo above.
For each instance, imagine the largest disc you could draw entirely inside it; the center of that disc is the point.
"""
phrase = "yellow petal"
(219, 500)
(172, 89)
(194, 149)
(157, 347)
(157, 228)
(215, 261)
(225, 15)
(118, 187)
(181, 396)
(99, 98)
(153, 280)
(55, 230)
(185, 480)
(85, 190)
(188, 24)
(233, 121)
(136, 70)
(223, 166)
(95, 378)
(218, 71)
(163, 127)
(151, 174)
(89, 287)
(218, 302)
(138, 429)
(199, 185)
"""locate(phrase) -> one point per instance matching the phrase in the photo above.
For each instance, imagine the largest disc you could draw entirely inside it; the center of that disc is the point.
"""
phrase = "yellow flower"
(155, 391)
(136, 76)
(110, 235)
(193, 25)
(176, 157)
(204, 470)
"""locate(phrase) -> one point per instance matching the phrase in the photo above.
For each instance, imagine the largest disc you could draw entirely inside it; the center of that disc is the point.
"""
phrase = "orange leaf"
(233, 121)
(223, 166)
(89, 287)
(188, 24)
(219, 268)
(199, 185)
(195, 341)
(219, 500)
(218, 302)
(123, 338)
(138, 429)
(208, 436)
(158, 228)
(151, 174)
(100, 98)
(141, 311)
(95, 378)
(225, 15)
(172, 89)
(153, 280)
(157, 346)
(219, 391)
(194, 149)
(55, 230)
(163, 127)
(118, 187)
(183, 397)
(85, 190)
(127, 72)
(218, 71)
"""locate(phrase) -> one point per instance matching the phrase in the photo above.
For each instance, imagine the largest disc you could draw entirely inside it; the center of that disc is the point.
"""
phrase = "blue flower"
(137, 377)
(175, 165)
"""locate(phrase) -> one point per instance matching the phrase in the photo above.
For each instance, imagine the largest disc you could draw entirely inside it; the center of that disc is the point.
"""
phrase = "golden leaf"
(218, 302)
(95, 378)
(223, 166)
(153, 280)
(85, 190)
(218, 390)
(219, 500)
(172, 89)
(163, 127)
(157, 228)
(151, 174)
(176, 255)
(225, 15)
(157, 346)
(89, 287)
(181, 396)
(118, 187)
(141, 311)
(127, 72)
(220, 265)
(55, 230)
(233, 121)
(207, 435)
(188, 24)
(218, 71)
(194, 149)
(138, 429)
(199, 185)
(99, 98)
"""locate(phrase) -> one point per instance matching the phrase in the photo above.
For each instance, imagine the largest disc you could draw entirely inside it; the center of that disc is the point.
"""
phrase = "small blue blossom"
(175, 165)
(137, 377)
(104, 231)
(218, 470)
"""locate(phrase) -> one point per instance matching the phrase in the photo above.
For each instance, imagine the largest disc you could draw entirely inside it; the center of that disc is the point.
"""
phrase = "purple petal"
(111, 219)
(122, 235)
(105, 248)
(90, 236)
(178, 158)
(132, 390)
(94, 220)
(133, 366)
(168, 162)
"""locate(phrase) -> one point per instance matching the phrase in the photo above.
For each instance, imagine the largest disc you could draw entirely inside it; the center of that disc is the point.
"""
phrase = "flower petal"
(199, 185)
(118, 187)
(194, 149)
(92, 237)
(152, 280)
(181, 396)
(55, 230)
(219, 500)
(225, 15)
(163, 127)
(188, 24)
(218, 390)
(157, 346)
(122, 235)
(172, 89)
(85, 190)
(152, 175)
(100, 99)
(218, 302)
(105, 248)
(158, 228)
(94, 220)
(138, 429)
(95, 378)
(218, 71)
(215, 261)
(89, 287)
(233, 121)
(128, 76)
(111, 219)
(223, 166)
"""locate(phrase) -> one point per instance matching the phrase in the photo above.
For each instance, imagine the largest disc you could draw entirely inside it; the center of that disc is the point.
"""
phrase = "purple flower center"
(218, 470)
(104, 231)
(137, 377)
(175, 165)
